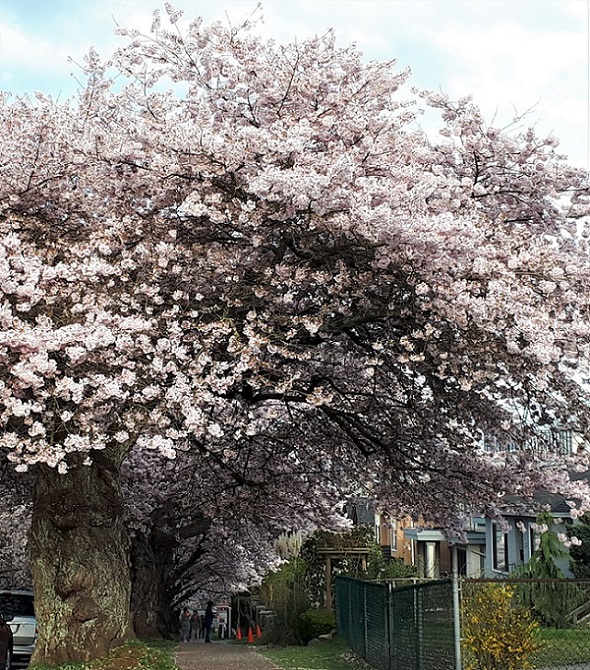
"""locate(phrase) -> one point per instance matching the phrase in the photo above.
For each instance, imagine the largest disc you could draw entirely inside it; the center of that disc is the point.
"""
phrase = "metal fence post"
(419, 626)
(365, 628)
(390, 627)
(456, 610)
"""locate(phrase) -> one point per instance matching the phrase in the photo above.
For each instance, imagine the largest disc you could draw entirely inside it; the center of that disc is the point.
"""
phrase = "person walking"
(209, 615)
(185, 625)
(196, 624)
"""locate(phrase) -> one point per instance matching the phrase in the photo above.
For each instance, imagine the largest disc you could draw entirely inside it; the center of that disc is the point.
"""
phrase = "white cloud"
(510, 67)
(23, 50)
(513, 55)
(578, 9)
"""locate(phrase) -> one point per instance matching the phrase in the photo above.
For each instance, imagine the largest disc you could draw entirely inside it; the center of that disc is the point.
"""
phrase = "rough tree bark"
(79, 552)
(151, 611)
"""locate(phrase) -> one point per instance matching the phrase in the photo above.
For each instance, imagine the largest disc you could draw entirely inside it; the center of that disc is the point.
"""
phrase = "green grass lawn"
(325, 655)
(563, 646)
(135, 655)
(559, 647)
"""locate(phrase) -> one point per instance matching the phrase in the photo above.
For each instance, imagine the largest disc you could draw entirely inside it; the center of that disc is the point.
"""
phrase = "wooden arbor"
(330, 554)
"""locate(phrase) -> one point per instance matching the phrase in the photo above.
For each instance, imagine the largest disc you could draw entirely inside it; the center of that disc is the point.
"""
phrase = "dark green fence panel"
(438, 650)
(377, 625)
(407, 628)
(362, 619)
(405, 608)
(422, 625)
(350, 612)
(412, 627)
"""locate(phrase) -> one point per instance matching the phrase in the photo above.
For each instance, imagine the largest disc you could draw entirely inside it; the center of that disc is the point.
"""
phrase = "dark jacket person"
(208, 620)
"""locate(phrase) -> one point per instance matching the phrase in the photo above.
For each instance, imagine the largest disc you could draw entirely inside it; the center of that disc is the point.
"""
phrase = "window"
(386, 532)
(532, 540)
(500, 549)
(563, 441)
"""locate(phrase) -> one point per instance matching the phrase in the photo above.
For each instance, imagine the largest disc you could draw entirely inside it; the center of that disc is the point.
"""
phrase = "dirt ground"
(220, 656)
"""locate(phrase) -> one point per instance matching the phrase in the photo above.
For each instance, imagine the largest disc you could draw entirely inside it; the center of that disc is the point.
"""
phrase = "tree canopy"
(248, 254)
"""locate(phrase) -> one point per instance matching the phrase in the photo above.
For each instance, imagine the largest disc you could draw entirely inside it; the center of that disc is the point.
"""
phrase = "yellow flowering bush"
(496, 635)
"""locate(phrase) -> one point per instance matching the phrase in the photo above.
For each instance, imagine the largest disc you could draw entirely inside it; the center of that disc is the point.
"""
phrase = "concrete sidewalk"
(220, 655)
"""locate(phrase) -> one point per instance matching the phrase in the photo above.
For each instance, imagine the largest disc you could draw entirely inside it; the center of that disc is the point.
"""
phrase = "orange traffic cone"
(258, 632)
(250, 635)
(239, 633)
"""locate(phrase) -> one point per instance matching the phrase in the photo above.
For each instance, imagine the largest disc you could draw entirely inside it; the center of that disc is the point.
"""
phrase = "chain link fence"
(548, 619)
(397, 628)
(508, 624)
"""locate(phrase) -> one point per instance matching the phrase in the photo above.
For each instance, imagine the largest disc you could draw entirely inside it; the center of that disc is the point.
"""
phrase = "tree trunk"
(150, 604)
(79, 557)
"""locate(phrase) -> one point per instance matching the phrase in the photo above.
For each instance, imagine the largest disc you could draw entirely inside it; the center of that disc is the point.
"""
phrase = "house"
(390, 535)
(432, 550)
(490, 548)
(513, 544)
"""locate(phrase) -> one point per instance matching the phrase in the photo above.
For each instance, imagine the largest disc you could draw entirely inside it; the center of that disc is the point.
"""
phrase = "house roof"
(554, 502)
(360, 512)
(438, 535)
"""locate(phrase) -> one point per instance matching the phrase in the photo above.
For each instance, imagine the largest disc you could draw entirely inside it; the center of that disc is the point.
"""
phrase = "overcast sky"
(511, 55)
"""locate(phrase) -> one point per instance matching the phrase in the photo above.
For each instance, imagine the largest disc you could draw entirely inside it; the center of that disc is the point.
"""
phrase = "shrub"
(381, 568)
(316, 622)
(496, 635)
(284, 593)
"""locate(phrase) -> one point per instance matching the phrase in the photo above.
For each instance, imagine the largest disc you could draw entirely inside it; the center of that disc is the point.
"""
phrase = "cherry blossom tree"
(197, 531)
(222, 235)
